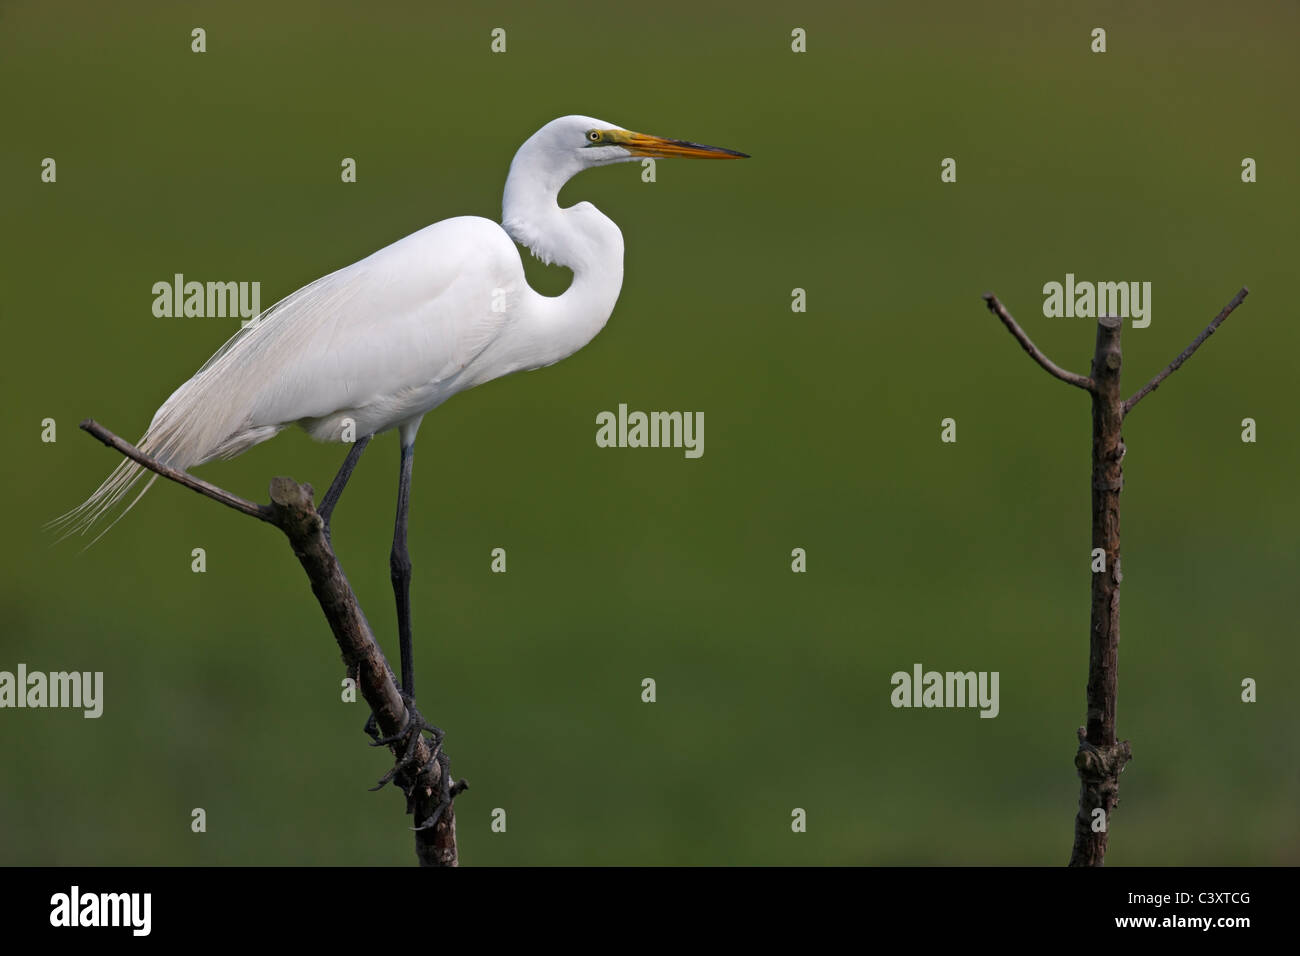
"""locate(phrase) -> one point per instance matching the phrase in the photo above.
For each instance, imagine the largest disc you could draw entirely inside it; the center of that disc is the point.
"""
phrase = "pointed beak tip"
(641, 144)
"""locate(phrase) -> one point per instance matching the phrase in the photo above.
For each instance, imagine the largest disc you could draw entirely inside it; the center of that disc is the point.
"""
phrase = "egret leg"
(340, 482)
(400, 566)
(408, 769)
(399, 562)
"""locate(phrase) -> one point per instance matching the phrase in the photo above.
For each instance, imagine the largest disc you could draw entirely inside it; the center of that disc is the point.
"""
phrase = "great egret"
(381, 342)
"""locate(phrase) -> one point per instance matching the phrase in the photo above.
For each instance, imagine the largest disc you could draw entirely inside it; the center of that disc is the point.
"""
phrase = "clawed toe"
(409, 736)
(445, 789)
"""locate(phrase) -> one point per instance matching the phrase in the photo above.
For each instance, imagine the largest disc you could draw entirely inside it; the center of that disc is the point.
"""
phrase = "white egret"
(378, 344)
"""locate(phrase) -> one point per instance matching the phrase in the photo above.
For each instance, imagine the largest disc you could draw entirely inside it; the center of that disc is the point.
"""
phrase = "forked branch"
(429, 794)
(1101, 756)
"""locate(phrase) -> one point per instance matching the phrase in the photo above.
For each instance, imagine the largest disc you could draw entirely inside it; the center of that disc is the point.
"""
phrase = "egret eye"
(594, 135)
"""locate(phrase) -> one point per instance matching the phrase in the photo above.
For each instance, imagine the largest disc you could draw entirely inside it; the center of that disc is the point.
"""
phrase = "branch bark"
(429, 794)
(1186, 353)
(1035, 353)
(1100, 758)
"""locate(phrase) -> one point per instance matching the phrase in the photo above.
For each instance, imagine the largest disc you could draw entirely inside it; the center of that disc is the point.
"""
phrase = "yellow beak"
(643, 144)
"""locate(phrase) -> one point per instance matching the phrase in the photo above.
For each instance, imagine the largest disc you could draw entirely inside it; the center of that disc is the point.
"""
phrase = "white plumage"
(385, 340)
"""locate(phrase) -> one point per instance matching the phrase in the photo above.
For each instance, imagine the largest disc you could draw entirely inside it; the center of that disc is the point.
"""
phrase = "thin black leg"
(340, 482)
(405, 772)
(400, 564)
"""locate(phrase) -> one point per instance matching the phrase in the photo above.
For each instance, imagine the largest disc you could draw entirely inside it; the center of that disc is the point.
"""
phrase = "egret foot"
(412, 732)
(445, 790)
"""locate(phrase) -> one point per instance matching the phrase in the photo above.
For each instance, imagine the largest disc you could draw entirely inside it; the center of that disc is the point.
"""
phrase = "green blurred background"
(822, 432)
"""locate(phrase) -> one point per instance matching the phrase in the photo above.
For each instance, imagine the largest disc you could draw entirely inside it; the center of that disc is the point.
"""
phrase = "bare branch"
(1052, 368)
(1173, 366)
(181, 478)
(428, 793)
(1101, 757)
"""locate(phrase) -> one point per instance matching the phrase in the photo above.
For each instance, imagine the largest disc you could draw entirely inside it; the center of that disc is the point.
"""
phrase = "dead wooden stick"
(1101, 757)
(1186, 353)
(996, 307)
(430, 794)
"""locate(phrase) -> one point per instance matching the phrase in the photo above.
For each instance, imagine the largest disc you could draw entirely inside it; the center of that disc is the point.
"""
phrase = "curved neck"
(581, 238)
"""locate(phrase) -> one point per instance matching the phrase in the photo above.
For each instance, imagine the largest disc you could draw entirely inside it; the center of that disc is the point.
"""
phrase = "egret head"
(555, 154)
(570, 144)
(604, 143)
